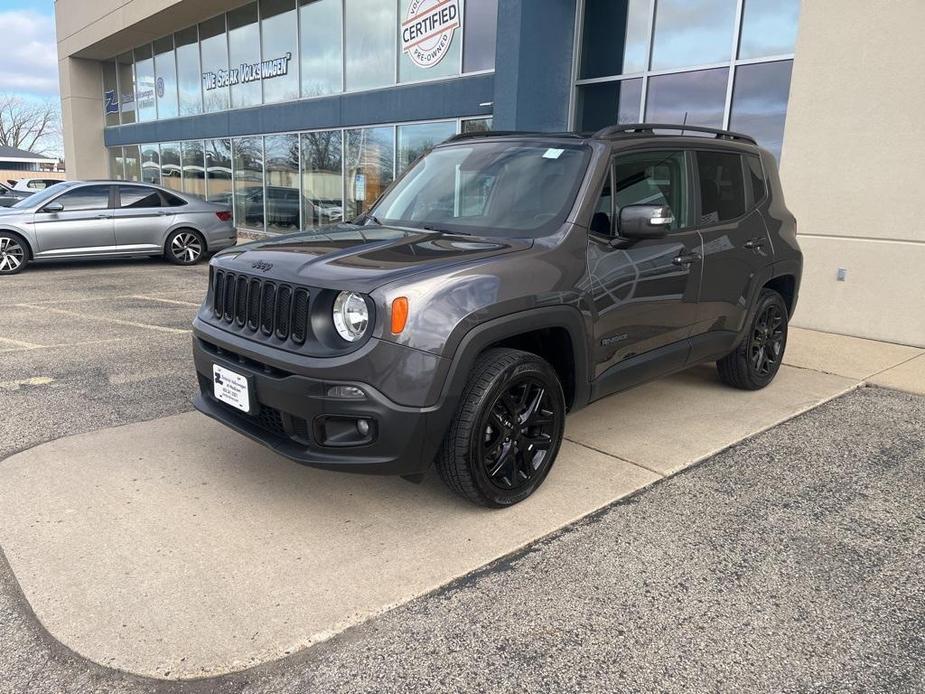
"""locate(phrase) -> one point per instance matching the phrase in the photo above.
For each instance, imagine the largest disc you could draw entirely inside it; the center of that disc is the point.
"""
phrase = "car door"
(644, 292)
(736, 247)
(77, 222)
(141, 218)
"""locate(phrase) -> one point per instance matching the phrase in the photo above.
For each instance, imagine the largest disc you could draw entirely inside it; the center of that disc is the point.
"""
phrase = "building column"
(533, 64)
(852, 167)
(82, 118)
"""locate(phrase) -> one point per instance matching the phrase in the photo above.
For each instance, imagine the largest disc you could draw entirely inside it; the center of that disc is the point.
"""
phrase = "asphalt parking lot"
(655, 592)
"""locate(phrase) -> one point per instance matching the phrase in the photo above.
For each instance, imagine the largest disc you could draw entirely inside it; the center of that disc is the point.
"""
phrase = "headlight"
(351, 316)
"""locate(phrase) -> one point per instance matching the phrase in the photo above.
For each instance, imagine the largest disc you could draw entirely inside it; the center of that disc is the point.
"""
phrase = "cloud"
(30, 60)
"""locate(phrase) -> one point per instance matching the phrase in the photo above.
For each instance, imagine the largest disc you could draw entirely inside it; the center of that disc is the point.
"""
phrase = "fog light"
(363, 427)
(346, 393)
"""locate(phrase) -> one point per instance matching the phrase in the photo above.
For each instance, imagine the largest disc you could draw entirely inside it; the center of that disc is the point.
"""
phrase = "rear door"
(645, 292)
(83, 226)
(736, 247)
(142, 218)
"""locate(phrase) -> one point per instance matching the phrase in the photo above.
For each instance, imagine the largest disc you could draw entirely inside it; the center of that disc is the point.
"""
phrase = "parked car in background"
(9, 196)
(34, 185)
(504, 280)
(83, 219)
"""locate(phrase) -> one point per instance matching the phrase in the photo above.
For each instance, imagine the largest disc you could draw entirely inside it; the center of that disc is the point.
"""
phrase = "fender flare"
(22, 237)
(476, 340)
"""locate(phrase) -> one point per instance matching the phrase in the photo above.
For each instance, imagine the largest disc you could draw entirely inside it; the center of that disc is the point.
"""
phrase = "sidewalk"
(175, 548)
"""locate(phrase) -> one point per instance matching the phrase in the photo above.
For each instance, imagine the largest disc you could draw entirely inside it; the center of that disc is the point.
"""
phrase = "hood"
(360, 258)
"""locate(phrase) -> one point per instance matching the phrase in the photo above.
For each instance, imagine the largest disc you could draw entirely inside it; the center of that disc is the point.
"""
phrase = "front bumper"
(289, 407)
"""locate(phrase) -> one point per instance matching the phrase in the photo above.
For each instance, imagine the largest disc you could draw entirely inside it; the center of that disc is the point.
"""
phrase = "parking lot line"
(106, 319)
(19, 344)
(64, 344)
(165, 301)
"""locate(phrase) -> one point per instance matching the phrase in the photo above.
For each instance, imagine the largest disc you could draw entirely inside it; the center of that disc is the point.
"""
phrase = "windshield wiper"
(428, 227)
(365, 218)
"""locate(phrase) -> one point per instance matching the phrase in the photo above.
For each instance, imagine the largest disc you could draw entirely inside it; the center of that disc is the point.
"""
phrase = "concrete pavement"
(180, 593)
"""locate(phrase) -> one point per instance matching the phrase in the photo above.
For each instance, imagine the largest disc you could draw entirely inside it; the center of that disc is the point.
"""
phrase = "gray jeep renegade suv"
(504, 280)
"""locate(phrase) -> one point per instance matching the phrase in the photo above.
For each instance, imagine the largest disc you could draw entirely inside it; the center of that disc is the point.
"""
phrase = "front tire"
(507, 431)
(14, 254)
(185, 247)
(756, 361)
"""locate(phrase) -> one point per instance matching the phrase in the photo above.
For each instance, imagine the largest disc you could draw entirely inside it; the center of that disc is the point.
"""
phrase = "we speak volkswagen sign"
(427, 32)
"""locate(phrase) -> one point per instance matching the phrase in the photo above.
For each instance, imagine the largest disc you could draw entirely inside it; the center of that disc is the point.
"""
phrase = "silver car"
(84, 219)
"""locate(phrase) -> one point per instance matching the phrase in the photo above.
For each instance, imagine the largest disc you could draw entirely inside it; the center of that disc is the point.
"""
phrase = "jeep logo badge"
(427, 32)
(263, 266)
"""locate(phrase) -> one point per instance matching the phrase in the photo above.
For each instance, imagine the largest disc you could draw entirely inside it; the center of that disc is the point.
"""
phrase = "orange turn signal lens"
(399, 314)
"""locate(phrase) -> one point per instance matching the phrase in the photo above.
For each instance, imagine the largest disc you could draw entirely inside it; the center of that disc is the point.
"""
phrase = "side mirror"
(645, 221)
(53, 207)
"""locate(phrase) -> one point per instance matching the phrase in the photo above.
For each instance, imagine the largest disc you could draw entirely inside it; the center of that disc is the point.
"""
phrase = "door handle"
(686, 258)
(756, 242)
(162, 213)
(103, 216)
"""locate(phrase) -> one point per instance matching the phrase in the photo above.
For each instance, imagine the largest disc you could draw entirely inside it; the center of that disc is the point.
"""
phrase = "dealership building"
(298, 113)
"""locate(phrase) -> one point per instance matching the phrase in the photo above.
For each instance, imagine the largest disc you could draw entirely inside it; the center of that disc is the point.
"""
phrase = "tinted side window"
(84, 198)
(653, 178)
(173, 200)
(136, 197)
(756, 175)
(722, 186)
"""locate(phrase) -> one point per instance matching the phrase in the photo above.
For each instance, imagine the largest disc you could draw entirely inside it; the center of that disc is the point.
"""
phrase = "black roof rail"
(650, 128)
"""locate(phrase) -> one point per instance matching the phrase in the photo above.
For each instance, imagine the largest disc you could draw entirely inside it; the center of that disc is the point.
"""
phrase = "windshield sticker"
(553, 153)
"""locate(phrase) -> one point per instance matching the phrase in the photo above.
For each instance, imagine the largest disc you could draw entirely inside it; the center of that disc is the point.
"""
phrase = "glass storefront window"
(116, 163)
(145, 104)
(480, 35)
(692, 32)
(372, 39)
(476, 125)
(125, 72)
(281, 153)
(248, 181)
(368, 167)
(607, 103)
(322, 178)
(615, 37)
(189, 76)
(171, 172)
(218, 171)
(150, 164)
(165, 82)
(194, 171)
(110, 93)
(132, 164)
(244, 56)
(279, 36)
(694, 98)
(759, 102)
(213, 47)
(321, 49)
(408, 69)
(418, 139)
(769, 28)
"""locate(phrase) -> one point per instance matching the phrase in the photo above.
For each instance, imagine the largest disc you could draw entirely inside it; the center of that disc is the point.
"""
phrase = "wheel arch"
(555, 333)
(786, 286)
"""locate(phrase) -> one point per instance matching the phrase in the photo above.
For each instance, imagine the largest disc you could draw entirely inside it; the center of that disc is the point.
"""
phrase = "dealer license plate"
(231, 388)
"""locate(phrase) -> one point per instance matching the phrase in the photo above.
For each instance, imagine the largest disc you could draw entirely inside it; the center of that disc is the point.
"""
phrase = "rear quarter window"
(722, 187)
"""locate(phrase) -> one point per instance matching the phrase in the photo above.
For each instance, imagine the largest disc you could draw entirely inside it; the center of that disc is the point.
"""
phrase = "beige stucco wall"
(853, 166)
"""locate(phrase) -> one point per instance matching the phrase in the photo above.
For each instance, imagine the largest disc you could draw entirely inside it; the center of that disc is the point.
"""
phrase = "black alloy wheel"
(506, 434)
(755, 362)
(519, 430)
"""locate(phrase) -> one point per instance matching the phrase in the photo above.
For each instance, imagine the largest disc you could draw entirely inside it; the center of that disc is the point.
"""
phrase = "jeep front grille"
(255, 304)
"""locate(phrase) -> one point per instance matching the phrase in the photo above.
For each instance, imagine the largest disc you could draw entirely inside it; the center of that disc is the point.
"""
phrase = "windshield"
(40, 197)
(488, 188)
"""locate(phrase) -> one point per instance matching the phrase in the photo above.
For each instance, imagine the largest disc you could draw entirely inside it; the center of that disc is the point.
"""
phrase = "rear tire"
(185, 247)
(756, 361)
(507, 431)
(14, 254)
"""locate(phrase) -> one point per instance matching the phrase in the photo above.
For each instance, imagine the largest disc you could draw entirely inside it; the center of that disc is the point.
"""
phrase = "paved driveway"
(174, 548)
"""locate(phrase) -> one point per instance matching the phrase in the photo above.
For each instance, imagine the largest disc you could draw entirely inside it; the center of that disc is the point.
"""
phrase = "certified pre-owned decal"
(427, 32)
